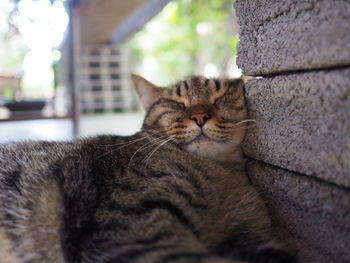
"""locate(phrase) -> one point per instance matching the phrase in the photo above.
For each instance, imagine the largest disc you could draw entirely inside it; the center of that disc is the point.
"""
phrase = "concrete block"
(291, 35)
(303, 123)
(312, 215)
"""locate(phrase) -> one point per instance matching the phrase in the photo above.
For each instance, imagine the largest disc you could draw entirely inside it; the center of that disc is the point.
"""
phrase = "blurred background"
(65, 65)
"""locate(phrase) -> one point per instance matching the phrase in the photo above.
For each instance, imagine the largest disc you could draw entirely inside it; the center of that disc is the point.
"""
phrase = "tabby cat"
(174, 192)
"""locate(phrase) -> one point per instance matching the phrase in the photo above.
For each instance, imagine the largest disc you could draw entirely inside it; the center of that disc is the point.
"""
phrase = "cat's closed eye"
(216, 103)
(182, 105)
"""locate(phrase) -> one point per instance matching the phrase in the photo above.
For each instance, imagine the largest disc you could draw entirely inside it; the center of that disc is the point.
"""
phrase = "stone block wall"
(299, 149)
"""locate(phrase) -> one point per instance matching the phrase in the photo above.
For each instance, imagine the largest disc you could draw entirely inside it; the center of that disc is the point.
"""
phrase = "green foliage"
(233, 44)
(8, 94)
(186, 36)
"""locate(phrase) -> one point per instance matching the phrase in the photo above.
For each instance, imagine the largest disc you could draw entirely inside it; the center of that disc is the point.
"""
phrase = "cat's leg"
(272, 252)
(157, 238)
(250, 247)
(246, 231)
(175, 249)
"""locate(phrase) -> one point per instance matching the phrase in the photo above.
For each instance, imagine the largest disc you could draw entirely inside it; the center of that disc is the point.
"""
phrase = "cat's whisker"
(247, 120)
(158, 130)
(137, 140)
(229, 127)
(143, 147)
(125, 143)
(145, 160)
(131, 142)
(240, 128)
(240, 122)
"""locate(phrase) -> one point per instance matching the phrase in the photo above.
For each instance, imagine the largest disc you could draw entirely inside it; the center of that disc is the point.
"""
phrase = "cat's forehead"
(197, 88)
(193, 85)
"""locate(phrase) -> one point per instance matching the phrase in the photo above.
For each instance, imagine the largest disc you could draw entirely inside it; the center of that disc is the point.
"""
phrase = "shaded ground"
(120, 124)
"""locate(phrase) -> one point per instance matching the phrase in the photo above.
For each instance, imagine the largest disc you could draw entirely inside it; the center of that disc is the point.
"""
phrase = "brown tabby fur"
(174, 192)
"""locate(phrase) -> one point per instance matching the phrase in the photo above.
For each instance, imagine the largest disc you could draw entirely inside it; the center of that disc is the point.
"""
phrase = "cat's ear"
(146, 91)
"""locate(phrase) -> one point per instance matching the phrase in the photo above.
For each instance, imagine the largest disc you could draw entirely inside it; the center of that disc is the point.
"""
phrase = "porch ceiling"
(102, 21)
(98, 18)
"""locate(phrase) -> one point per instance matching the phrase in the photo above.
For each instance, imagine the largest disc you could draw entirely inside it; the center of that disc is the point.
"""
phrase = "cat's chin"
(215, 150)
(206, 147)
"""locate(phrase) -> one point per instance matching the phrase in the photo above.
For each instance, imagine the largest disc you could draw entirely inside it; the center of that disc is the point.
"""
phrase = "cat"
(174, 192)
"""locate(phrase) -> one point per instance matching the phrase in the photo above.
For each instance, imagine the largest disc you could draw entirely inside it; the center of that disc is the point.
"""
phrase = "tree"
(186, 37)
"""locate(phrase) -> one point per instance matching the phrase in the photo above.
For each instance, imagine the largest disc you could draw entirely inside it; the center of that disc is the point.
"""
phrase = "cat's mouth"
(202, 137)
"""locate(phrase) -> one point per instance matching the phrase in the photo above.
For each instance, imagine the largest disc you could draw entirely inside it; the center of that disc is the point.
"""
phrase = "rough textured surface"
(302, 113)
(315, 215)
(292, 35)
(303, 123)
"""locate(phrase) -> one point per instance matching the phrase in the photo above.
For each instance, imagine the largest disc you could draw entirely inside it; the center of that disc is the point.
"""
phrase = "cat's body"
(140, 198)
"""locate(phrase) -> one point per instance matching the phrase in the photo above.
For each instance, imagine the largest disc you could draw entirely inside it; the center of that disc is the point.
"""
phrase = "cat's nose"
(200, 118)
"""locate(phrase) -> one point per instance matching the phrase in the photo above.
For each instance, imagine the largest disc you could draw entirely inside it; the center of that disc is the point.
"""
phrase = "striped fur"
(151, 197)
(222, 99)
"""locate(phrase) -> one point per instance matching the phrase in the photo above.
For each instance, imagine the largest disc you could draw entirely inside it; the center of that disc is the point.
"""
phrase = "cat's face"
(200, 115)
